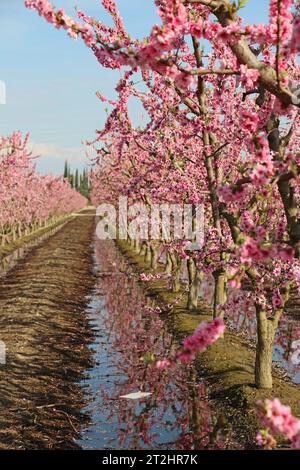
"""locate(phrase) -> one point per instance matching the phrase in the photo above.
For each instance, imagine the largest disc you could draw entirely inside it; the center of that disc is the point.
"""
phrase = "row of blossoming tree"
(223, 102)
(29, 200)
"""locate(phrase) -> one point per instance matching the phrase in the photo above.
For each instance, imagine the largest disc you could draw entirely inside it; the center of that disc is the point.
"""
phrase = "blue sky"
(51, 80)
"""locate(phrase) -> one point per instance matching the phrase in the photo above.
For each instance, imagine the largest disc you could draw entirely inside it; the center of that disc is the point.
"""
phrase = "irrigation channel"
(79, 337)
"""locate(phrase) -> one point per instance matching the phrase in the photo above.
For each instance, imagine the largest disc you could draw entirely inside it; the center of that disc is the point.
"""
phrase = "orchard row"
(222, 104)
(28, 200)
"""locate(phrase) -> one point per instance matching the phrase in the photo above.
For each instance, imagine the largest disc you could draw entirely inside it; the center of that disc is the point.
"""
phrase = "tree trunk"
(168, 269)
(148, 255)
(220, 296)
(264, 350)
(137, 247)
(143, 249)
(176, 268)
(195, 279)
(154, 257)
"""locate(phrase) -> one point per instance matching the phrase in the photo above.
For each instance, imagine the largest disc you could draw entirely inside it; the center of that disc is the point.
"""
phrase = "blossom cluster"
(296, 274)
(206, 334)
(61, 20)
(249, 77)
(252, 250)
(295, 40)
(278, 420)
(281, 20)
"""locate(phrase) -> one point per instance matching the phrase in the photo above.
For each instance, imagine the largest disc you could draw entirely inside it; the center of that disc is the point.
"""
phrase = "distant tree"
(71, 180)
(76, 179)
(66, 170)
(84, 184)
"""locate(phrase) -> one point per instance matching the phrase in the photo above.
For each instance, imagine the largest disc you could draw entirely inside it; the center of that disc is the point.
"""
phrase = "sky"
(51, 80)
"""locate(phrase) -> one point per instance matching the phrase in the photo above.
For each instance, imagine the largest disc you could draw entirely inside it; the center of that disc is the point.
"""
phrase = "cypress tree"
(76, 179)
(66, 169)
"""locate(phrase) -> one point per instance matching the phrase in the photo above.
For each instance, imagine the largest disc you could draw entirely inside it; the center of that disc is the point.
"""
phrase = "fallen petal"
(136, 395)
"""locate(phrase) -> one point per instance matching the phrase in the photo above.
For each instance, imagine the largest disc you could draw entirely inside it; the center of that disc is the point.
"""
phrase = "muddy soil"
(47, 336)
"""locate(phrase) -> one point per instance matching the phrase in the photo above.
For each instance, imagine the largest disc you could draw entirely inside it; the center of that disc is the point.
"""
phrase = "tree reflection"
(177, 414)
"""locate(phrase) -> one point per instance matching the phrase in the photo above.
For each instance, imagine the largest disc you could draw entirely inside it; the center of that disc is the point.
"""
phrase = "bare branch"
(202, 72)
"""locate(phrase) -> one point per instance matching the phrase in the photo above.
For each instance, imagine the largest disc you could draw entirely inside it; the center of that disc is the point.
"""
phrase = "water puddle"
(177, 413)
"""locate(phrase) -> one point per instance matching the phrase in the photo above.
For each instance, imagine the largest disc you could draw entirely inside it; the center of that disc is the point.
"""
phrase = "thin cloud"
(56, 152)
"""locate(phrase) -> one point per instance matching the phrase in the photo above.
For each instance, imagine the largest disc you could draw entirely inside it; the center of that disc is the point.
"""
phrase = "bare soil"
(47, 336)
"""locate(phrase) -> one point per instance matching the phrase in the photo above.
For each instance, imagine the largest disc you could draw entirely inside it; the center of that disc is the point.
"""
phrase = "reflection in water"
(284, 356)
(177, 414)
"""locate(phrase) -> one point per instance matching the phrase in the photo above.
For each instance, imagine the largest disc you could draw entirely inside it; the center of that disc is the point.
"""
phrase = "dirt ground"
(47, 337)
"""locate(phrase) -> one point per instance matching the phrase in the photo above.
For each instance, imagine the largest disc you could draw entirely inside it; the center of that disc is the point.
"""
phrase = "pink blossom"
(295, 40)
(249, 77)
(101, 97)
(286, 253)
(260, 175)
(251, 250)
(279, 420)
(249, 121)
(277, 299)
(205, 335)
(247, 223)
(266, 440)
(296, 274)
(183, 80)
(163, 364)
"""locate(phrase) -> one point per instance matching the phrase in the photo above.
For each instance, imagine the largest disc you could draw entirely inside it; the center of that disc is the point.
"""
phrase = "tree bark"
(143, 249)
(154, 256)
(176, 268)
(264, 350)
(148, 255)
(137, 247)
(168, 269)
(195, 279)
(220, 295)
